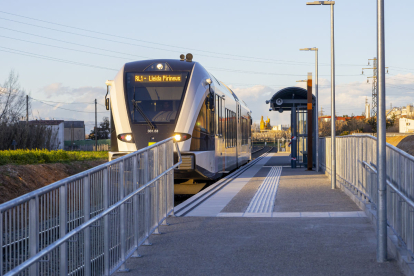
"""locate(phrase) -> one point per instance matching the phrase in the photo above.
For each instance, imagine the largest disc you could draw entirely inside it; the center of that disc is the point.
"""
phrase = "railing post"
(147, 207)
(87, 231)
(122, 217)
(34, 233)
(106, 221)
(156, 188)
(165, 185)
(1, 242)
(63, 265)
(135, 204)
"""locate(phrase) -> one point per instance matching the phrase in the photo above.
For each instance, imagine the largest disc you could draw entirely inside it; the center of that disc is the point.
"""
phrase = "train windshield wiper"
(135, 103)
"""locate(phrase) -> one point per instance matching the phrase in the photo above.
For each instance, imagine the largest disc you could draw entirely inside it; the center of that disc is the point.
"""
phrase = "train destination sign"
(158, 78)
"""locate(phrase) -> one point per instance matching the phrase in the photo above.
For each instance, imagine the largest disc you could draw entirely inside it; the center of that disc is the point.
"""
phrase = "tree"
(103, 130)
(12, 100)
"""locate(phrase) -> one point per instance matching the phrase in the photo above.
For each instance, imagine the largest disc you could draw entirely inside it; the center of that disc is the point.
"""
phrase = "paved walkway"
(304, 228)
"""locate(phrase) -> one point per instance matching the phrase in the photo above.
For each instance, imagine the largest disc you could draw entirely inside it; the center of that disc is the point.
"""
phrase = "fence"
(356, 161)
(282, 145)
(89, 223)
(101, 147)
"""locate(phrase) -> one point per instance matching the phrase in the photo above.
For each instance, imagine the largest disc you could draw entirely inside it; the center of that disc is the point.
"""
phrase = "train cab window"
(155, 97)
(203, 133)
(231, 128)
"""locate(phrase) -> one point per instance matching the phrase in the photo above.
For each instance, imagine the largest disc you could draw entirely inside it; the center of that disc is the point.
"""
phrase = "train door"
(238, 138)
(219, 141)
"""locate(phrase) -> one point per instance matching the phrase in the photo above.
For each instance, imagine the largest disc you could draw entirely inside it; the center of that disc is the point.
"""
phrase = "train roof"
(175, 64)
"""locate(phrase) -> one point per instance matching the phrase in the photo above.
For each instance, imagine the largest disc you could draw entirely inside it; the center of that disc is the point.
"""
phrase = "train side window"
(219, 116)
(245, 130)
(203, 133)
(231, 128)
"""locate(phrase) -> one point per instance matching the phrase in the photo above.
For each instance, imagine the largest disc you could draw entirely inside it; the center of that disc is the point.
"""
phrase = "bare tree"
(12, 99)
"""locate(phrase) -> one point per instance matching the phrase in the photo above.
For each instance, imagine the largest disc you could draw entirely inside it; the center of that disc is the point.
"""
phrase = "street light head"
(309, 49)
(321, 3)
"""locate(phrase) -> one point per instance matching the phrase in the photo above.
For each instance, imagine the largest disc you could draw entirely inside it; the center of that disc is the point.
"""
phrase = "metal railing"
(92, 222)
(356, 169)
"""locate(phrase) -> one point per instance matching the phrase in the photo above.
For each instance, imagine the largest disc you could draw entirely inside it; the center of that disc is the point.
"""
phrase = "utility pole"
(96, 126)
(321, 111)
(27, 108)
(374, 107)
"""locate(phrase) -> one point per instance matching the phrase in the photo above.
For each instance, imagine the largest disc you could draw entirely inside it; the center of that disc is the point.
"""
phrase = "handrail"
(81, 227)
(356, 169)
(79, 203)
(392, 186)
(409, 156)
(57, 184)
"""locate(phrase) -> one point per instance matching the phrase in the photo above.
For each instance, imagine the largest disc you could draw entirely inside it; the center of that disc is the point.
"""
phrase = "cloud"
(349, 97)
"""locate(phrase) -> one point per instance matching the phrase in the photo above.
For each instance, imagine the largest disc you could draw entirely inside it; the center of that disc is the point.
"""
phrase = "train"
(151, 100)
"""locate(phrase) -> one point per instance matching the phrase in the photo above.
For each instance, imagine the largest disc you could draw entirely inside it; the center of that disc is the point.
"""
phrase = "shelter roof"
(287, 97)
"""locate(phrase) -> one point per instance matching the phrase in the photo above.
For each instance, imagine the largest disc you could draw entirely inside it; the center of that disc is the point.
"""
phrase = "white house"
(58, 130)
(406, 125)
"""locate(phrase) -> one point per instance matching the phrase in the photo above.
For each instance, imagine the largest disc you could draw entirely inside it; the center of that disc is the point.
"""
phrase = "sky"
(65, 51)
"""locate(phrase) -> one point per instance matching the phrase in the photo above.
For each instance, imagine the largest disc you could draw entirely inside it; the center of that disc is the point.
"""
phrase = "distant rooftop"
(75, 124)
(46, 122)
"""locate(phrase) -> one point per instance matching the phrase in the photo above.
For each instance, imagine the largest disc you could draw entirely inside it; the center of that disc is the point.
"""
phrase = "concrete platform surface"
(262, 246)
(306, 229)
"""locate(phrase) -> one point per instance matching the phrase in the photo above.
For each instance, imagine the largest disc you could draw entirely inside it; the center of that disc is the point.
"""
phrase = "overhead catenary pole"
(96, 127)
(316, 105)
(309, 122)
(27, 108)
(381, 142)
(333, 117)
(316, 109)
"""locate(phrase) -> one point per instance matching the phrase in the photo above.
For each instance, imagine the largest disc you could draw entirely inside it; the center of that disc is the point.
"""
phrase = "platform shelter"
(294, 99)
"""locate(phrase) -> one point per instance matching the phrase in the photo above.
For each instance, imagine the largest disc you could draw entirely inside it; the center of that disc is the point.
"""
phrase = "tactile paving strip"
(264, 199)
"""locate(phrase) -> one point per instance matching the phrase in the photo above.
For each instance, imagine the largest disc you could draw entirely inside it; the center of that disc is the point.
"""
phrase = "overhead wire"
(133, 39)
(65, 108)
(24, 53)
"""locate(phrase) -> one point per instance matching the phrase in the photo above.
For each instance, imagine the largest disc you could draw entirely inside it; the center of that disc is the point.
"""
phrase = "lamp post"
(381, 142)
(333, 118)
(316, 104)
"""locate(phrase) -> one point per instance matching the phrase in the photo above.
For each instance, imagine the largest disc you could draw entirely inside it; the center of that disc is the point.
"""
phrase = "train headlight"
(159, 66)
(126, 137)
(179, 137)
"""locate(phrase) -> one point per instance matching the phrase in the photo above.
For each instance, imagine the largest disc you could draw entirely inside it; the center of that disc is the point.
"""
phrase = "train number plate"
(152, 130)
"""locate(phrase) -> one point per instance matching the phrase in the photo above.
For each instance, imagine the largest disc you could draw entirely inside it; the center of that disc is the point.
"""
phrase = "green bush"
(22, 157)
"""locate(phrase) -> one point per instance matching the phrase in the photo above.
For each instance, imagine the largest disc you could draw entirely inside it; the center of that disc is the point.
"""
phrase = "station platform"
(265, 219)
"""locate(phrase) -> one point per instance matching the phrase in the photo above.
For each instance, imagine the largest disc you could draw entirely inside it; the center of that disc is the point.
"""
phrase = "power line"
(66, 102)
(72, 43)
(65, 108)
(18, 52)
(257, 59)
(81, 51)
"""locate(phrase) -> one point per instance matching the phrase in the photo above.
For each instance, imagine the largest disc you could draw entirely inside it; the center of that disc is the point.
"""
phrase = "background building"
(57, 127)
(406, 125)
(74, 130)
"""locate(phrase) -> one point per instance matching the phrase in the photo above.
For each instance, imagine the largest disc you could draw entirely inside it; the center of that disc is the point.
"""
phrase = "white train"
(152, 100)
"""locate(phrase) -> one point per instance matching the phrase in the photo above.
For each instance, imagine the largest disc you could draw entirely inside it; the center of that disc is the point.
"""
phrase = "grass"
(23, 157)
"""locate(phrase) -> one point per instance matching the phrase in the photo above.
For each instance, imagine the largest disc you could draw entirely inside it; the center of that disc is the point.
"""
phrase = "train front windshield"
(155, 97)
